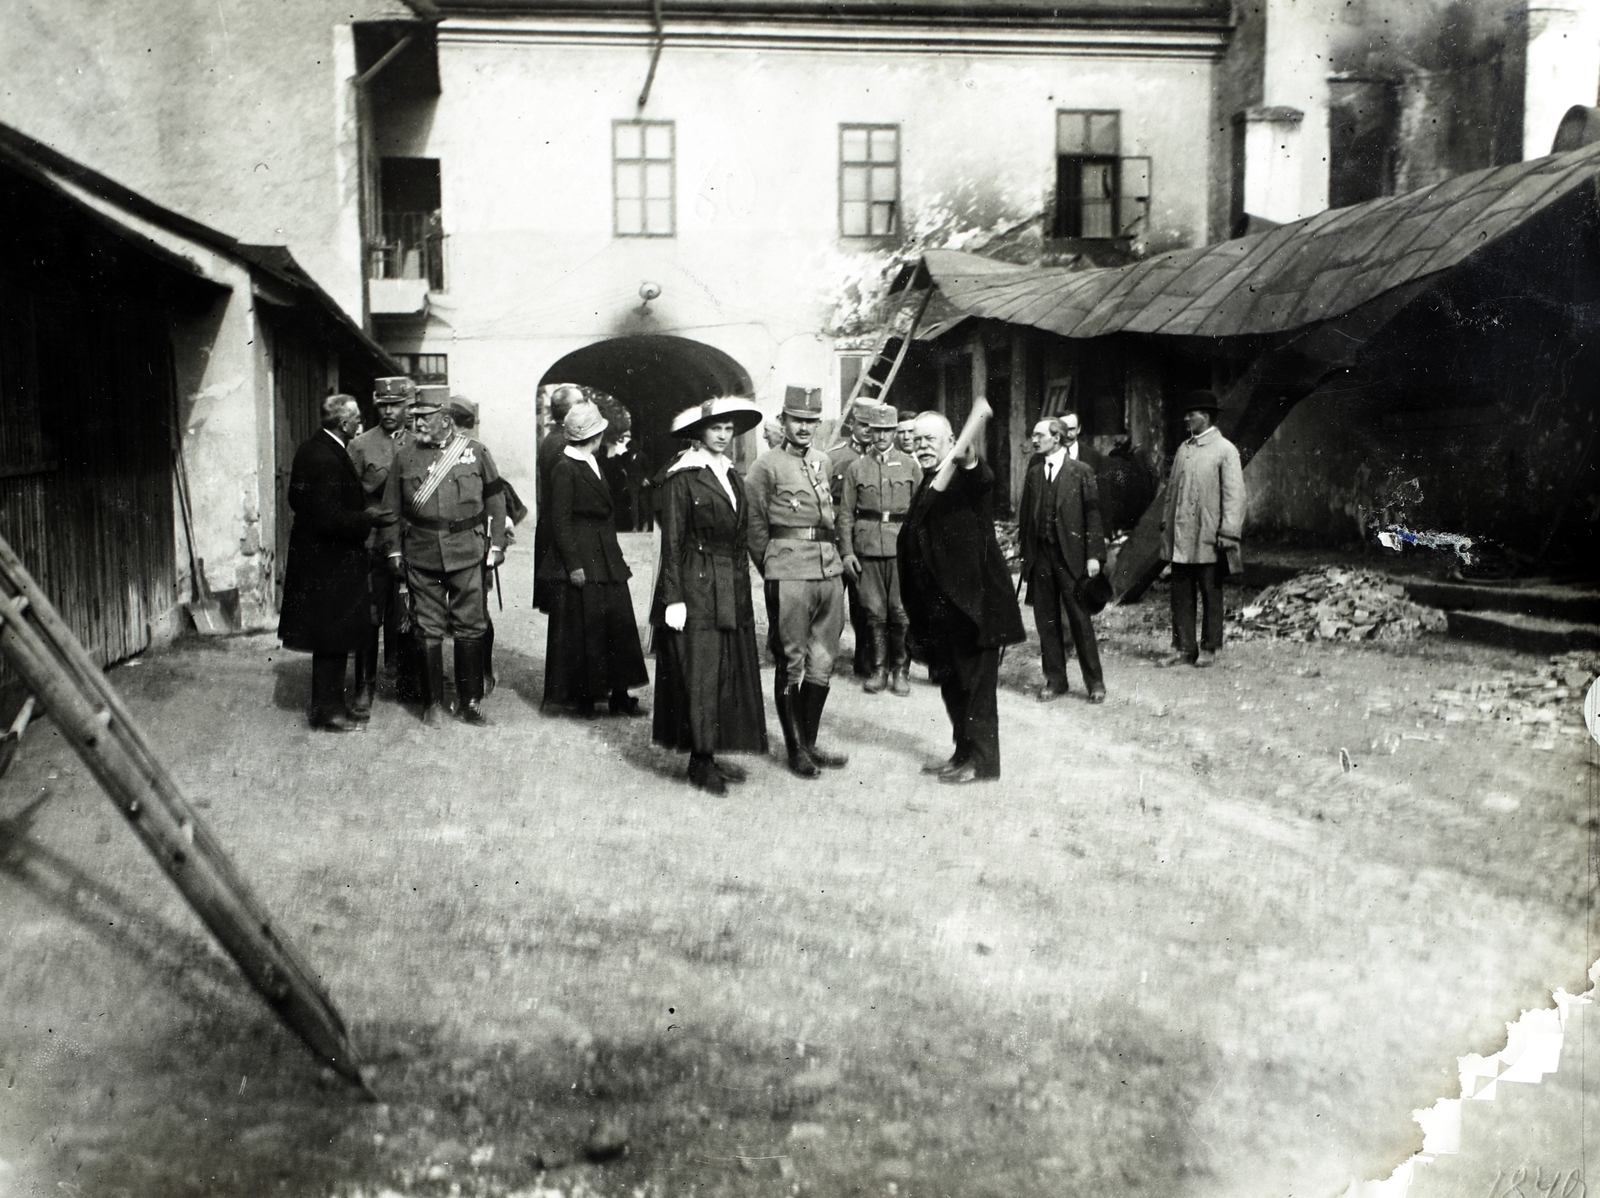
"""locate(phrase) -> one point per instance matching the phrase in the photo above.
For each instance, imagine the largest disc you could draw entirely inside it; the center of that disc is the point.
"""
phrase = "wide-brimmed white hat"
(742, 412)
(583, 421)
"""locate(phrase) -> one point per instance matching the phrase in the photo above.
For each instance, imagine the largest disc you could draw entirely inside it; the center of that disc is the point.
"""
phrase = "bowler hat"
(583, 421)
(394, 388)
(877, 415)
(464, 410)
(691, 422)
(429, 400)
(804, 402)
(1094, 593)
(1201, 401)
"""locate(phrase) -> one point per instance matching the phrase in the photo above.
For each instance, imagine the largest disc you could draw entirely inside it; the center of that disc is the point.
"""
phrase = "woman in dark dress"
(708, 680)
(593, 651)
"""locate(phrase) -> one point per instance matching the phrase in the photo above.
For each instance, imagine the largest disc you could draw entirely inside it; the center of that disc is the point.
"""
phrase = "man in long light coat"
(1200, 529)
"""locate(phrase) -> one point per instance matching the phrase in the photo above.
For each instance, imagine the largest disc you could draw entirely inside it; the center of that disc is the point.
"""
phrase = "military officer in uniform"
(791, 536)
(877, 492)
(857, 441)
(442, 498)
(464, 415)
(372, 453)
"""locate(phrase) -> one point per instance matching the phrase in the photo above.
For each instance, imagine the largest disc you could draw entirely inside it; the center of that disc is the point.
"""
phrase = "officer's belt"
(814, 533)
(429, 524)
(881, 517)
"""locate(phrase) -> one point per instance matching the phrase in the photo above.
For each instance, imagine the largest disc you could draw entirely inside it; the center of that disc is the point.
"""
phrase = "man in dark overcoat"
(1063, 543)
(325, 608)
(958, 597)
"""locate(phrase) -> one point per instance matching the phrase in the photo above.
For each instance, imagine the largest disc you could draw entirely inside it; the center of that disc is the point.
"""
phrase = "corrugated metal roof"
(1286, 278)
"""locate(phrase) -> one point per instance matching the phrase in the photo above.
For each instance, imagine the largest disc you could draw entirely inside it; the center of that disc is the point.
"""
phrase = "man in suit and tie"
(325, 611)
(1063, 544)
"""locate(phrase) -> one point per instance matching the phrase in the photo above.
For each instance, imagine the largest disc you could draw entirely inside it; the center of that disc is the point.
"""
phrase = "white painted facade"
(757, 267)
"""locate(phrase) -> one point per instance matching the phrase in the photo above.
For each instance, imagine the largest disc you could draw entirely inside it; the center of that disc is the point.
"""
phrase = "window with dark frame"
(869, 180)
(643, 156)
(427, 370)
(1088, 173)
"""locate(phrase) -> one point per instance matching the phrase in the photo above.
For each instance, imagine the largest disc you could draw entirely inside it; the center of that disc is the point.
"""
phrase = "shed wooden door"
(87, 414)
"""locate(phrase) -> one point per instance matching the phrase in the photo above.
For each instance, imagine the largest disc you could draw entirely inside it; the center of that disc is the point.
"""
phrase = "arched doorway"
(655, 378)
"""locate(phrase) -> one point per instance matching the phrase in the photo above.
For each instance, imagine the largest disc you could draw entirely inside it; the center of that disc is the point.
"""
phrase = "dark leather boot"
(899, 662)
(880, 656)
(489, 680)
(703, 773)
(469, 681)
(813, 699)
(432, 654)
(787, 700)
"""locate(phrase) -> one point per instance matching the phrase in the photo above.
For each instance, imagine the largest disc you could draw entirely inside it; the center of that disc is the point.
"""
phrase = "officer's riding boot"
(787, 700)
(812, 700)
(899, 662)
(488, 662)
(366, 663)
(469, 681)
(880, 657)
(433, 683)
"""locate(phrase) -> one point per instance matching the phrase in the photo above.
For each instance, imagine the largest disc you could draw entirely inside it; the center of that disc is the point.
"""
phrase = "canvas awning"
(1285, 279)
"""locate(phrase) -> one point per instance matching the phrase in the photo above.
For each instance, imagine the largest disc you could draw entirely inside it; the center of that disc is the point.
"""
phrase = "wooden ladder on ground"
(91, 717)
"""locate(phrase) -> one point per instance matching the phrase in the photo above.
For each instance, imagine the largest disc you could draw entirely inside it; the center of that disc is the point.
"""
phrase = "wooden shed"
(129, 334)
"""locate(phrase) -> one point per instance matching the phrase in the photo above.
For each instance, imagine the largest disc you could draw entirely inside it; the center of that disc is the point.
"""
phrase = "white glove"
(677, 616)
(494, 558)
(1094, 567)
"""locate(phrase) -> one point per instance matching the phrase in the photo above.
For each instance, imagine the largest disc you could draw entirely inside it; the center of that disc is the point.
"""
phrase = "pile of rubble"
(1552, 695)
(1334, 604)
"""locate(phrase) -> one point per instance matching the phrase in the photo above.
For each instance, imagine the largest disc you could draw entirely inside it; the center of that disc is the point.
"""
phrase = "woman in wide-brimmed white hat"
(708, 671)
(593, 651)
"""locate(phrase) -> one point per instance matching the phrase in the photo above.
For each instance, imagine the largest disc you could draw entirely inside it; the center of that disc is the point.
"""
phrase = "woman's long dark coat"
(593, 649)
(324, 607)
(708, 677)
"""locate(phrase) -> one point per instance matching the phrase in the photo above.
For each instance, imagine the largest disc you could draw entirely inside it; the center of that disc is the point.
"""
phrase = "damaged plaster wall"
(1368, 97)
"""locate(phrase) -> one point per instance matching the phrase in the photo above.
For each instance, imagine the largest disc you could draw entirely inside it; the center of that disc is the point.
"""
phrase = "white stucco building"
(758, 167)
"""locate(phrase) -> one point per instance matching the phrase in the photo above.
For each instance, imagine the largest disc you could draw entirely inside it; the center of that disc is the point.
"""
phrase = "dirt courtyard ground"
(1179, 949)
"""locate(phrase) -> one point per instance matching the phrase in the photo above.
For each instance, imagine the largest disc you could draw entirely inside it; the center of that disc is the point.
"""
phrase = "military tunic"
(444, 542)
(876, 496)
(791, 535)
(840, 458)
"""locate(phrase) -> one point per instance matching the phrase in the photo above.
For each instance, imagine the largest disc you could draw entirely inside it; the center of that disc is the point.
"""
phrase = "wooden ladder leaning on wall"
(91, 717)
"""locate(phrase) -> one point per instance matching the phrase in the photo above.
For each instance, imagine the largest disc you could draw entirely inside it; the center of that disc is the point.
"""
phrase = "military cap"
(464, 410)
(877, 415)
(429, 400)
(393, 388)
(804, 402)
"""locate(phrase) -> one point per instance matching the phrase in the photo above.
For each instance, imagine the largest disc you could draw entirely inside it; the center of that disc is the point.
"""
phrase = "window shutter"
(1133, 202)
